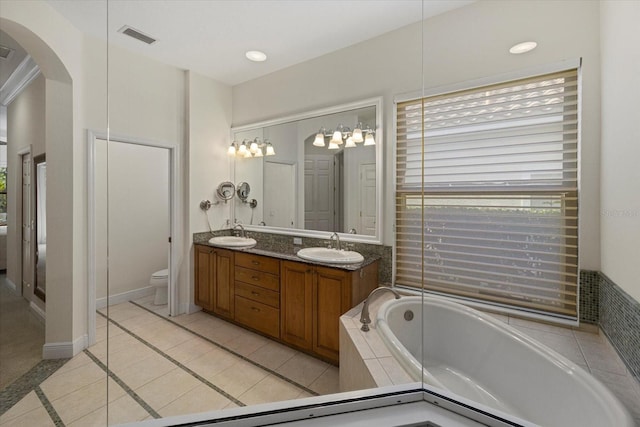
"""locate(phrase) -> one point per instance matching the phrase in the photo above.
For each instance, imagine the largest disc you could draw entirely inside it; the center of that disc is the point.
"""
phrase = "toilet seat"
(160, 274)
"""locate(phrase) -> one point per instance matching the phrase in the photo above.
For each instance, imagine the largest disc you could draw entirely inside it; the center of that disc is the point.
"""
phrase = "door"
(223, 283)
(27, 227)
(279, 195)
(319, 202)
(204, 259)
(367, 200)
(296, 304)
(331, 299)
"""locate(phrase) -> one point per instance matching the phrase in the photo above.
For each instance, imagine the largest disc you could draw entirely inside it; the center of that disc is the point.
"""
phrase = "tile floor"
(192, 363)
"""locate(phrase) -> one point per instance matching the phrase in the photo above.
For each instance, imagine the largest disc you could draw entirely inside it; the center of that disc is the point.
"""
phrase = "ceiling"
(212, 36)
(8, 66)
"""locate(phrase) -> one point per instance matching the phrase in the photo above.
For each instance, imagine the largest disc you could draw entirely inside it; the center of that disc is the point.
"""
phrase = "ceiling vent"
(5, 52)
(132, 32)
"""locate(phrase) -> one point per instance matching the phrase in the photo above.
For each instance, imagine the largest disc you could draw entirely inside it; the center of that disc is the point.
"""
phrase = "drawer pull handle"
(255, 262)
(255, 277)
(255, 309)
(255, 293)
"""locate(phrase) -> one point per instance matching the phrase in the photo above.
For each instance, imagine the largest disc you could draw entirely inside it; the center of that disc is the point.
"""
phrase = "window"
(487, 193)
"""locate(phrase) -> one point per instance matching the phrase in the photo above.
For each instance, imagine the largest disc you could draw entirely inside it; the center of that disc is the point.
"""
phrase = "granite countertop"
(289, 253)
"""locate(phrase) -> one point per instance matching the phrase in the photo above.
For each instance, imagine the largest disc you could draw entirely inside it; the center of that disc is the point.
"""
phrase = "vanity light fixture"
(523, 47)
(344, 135)
(251, 148)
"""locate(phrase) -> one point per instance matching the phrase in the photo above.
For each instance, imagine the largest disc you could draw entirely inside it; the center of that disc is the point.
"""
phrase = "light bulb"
(232, 150)
(337, 137)
(368, 140)
(333, 146)
(357, 133)
(247, 154)
(319, 141)
(270, 150)
(253, 147)
(350, 143)
(243, 149)
(258, 153)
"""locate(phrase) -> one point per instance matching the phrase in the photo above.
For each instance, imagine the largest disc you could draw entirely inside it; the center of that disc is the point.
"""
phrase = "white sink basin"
(232, 241)
(332, 256)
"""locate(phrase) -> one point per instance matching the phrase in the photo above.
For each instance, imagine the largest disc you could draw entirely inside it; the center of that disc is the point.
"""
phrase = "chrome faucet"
(337, 240)
(243, 232)
(364, 317)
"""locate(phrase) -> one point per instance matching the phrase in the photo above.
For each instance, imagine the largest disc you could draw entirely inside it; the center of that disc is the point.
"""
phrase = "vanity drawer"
(257, 278)
(258, 316)
(258, 262)
(258, 294)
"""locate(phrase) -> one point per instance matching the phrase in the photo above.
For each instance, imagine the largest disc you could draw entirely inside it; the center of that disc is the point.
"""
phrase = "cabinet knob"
(255, 293)
(255, 278)
(255, 309)
(255, 262)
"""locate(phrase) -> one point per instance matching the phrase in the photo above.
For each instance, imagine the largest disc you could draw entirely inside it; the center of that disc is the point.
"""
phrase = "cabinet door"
(296, 305)
(203, 280)
(223, 284)
(331, 299)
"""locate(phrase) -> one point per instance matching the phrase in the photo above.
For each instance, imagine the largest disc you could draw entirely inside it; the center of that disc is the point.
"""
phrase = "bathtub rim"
(569, 367)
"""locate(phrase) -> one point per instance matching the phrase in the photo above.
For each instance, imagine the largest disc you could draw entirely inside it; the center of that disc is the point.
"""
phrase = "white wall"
(462, 45)
(208, 131)
(132, 197)
(620, 209)
(26, 127)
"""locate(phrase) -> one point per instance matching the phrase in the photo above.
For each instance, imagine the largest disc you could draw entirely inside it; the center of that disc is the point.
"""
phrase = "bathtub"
(473, 355)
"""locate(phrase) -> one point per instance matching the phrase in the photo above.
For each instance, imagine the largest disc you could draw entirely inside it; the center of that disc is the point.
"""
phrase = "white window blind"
(487, 193)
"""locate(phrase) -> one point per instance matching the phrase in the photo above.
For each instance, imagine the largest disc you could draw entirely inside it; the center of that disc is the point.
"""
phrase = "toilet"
(160, 280)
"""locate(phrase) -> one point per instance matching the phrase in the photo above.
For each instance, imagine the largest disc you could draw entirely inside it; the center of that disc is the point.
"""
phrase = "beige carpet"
(21, 335)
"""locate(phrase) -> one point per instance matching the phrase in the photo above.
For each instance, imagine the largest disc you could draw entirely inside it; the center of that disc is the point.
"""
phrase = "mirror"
(225, 191)
(40, 224)
(304, 188)
(243, 191)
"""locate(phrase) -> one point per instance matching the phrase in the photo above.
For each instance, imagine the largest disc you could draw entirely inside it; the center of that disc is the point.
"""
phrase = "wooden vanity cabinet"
(312, 300)
(214, 280)
(296, 303)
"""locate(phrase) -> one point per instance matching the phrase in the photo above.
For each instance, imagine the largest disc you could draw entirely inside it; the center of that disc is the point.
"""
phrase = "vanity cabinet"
(214, 280)
(293, 302)
(312, 300)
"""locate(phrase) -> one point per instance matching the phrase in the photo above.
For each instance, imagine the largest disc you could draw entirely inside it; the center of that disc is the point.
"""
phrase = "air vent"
(5, 52)
(132, 32)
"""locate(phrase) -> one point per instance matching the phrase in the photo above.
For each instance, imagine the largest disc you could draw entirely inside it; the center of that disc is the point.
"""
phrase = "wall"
(462, 45)
(208, 125)
(620, 151)
(137, 202)
(26, 126)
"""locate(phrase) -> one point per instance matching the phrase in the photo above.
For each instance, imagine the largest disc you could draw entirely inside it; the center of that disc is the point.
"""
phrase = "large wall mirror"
(40, 224)
(311, 185)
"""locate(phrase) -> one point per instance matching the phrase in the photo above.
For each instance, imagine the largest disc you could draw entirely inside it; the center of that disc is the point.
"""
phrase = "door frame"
(175, 242)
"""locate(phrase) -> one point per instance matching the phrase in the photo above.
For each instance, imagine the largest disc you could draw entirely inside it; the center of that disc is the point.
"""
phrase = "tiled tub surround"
(282, 246)
(163, 367)
(365, 362)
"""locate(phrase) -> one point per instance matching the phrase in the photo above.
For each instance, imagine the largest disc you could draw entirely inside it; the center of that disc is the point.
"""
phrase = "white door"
(27, 227)
(367, 199)
(319, 207)
(279, 195)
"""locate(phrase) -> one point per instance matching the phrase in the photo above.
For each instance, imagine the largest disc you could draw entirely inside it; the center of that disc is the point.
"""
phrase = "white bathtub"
(482, 359)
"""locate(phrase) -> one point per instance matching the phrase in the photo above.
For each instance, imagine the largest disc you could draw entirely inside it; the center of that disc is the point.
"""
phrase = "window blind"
(487, 193)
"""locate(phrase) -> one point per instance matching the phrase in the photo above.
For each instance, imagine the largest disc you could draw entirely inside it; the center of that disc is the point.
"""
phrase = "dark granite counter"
(284, 250)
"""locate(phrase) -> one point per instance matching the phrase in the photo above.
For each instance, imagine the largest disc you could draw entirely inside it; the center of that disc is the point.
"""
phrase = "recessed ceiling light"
(256, 56)
(523, 47)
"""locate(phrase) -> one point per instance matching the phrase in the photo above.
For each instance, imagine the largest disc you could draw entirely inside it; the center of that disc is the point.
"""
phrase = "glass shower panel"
(170, 114)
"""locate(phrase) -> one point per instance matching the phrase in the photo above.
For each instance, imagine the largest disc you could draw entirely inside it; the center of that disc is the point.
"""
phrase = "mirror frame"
(379, 128)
